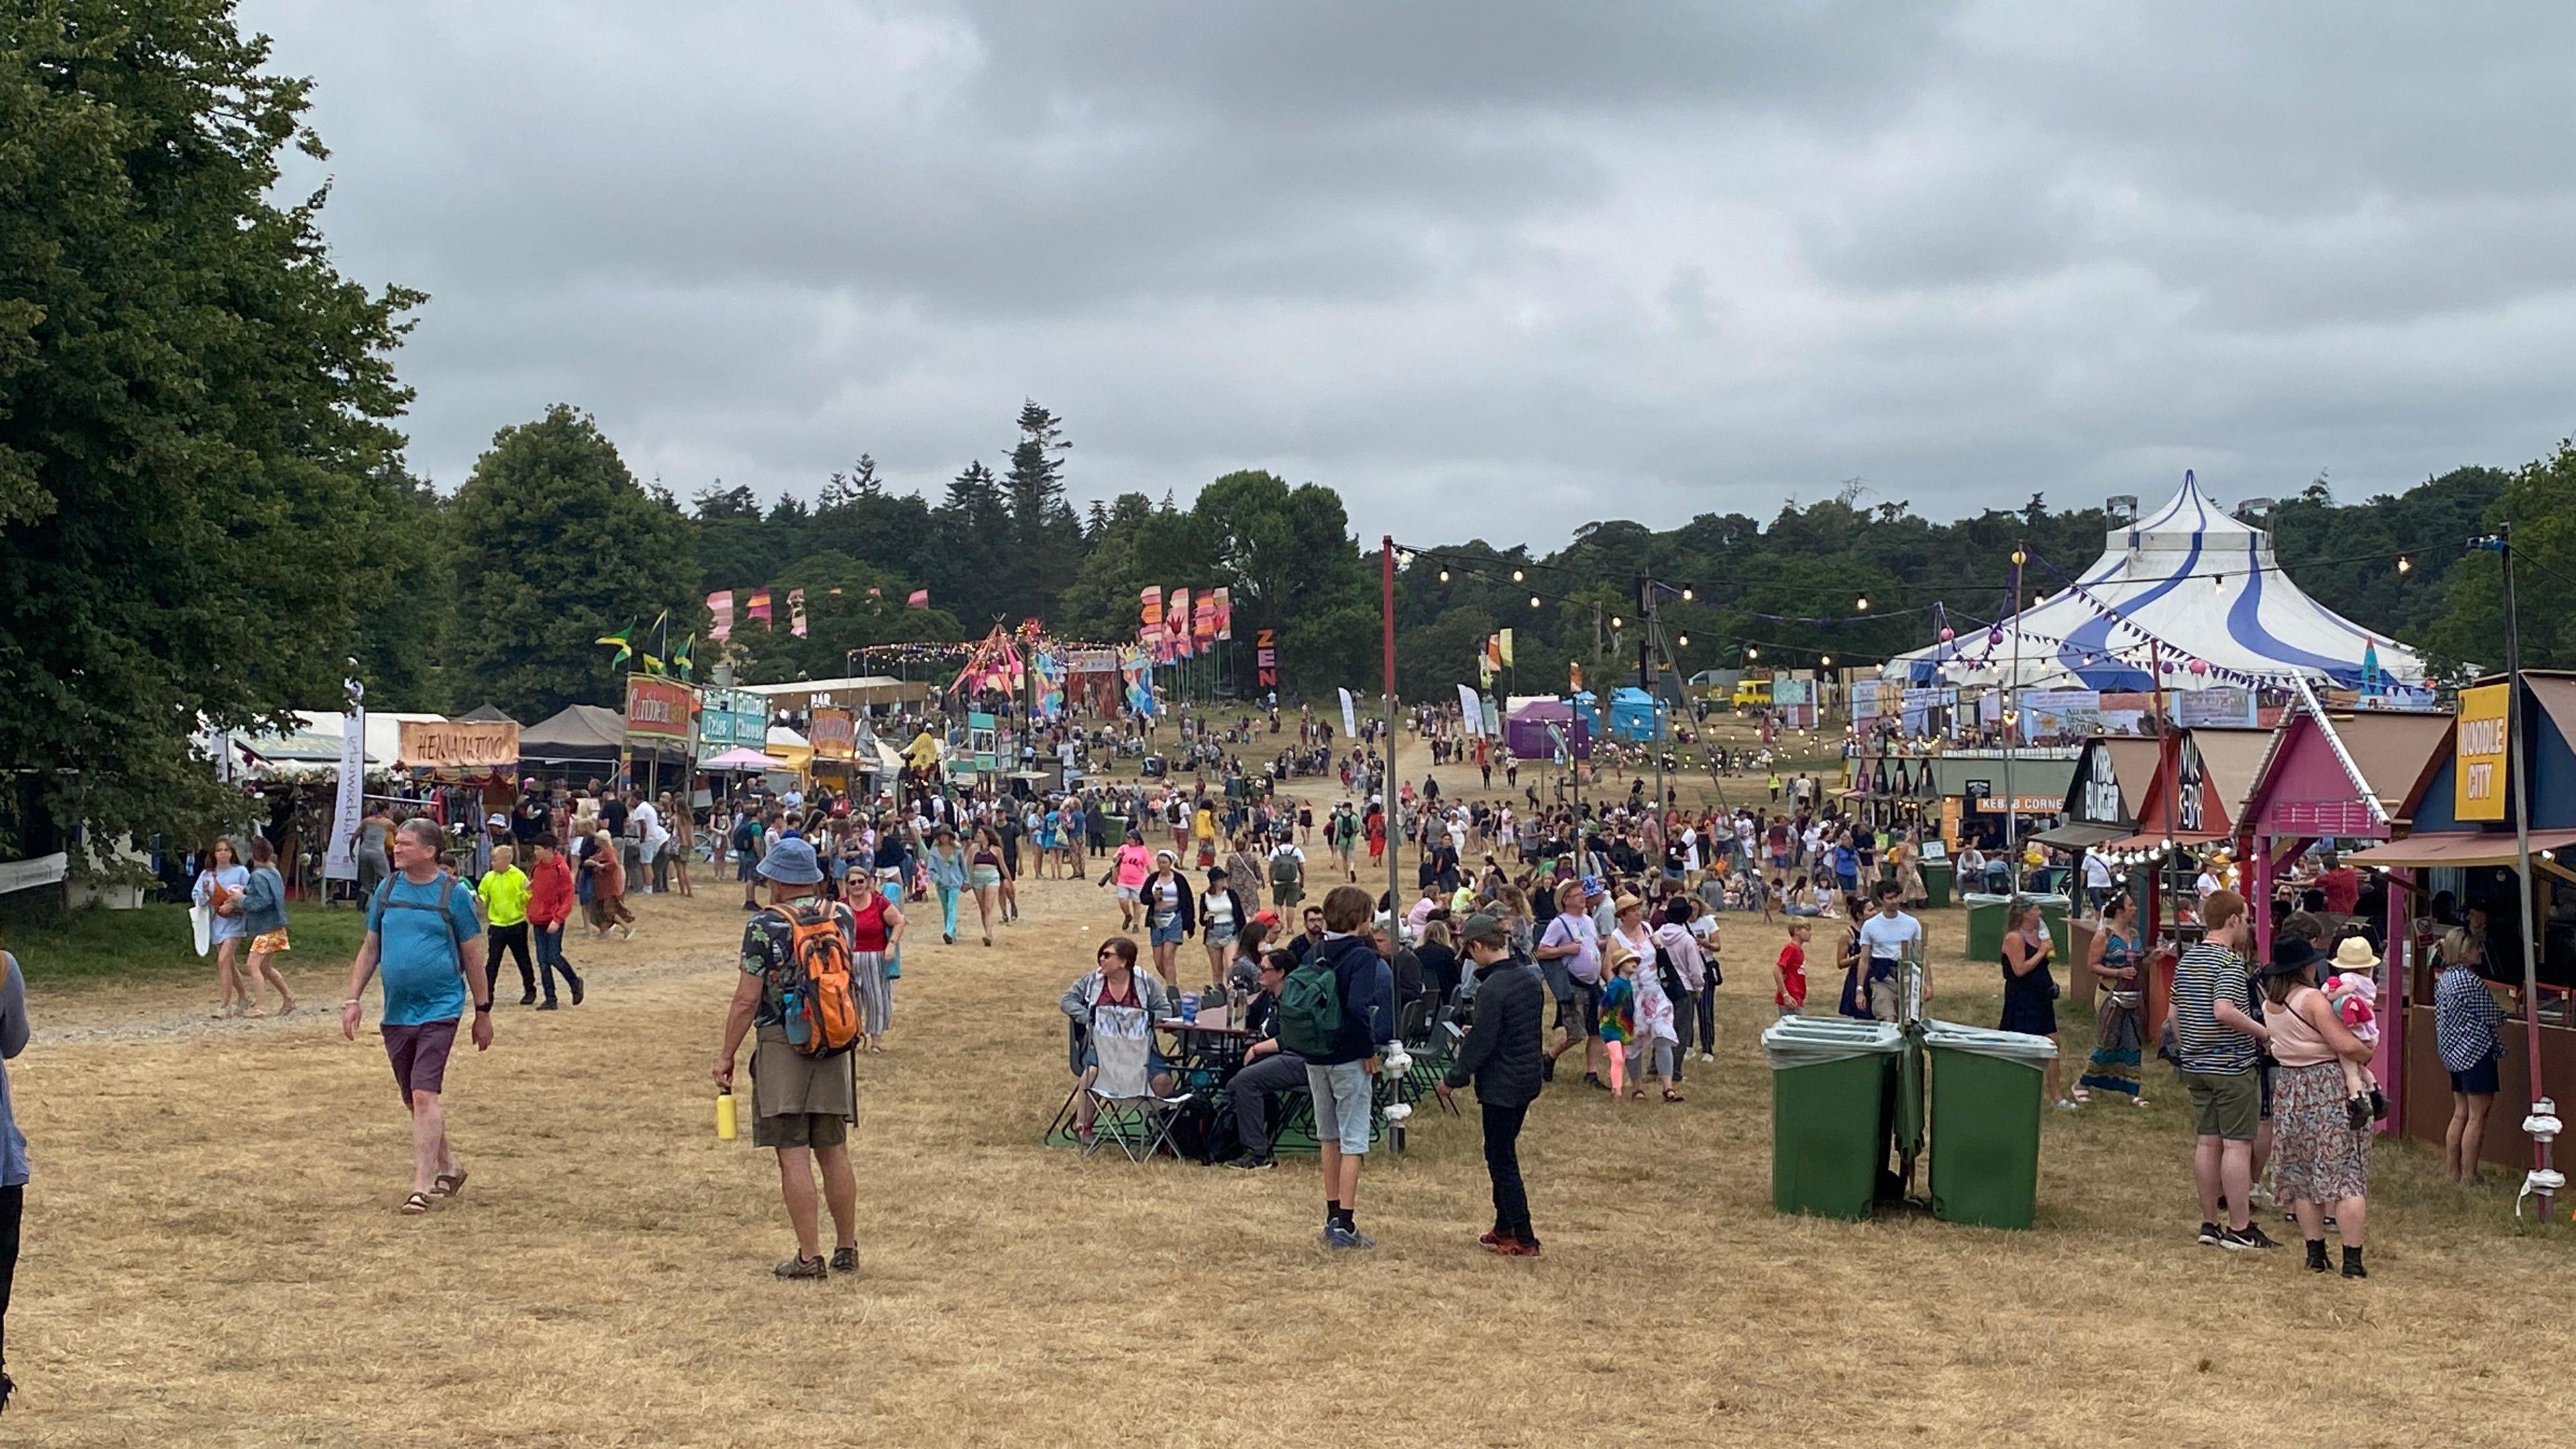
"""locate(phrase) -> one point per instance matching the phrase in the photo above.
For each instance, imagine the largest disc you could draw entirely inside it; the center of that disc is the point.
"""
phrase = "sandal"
(1636, 1094)
(253, 1013)
(416, 1204)
(1671, 1096)
(449, 1184)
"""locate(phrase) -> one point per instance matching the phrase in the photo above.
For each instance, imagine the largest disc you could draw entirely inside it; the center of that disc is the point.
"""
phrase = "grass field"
(213, 1257)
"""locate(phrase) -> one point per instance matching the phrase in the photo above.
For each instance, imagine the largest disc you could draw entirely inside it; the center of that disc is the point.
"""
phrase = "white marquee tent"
(2190, 583)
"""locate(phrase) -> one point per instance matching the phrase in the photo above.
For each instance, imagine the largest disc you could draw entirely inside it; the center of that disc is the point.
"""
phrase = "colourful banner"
(720, 604)
(760, 607)
(2479, 767)
(1224, 613)
(833, 733)
(796, 612)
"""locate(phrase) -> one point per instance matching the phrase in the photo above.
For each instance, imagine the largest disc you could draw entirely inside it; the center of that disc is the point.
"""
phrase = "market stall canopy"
(740, 759)
(575, 735)
(848, 693)
(309, 751)
(2077, 834)
(2458, 847)
(2188, 580)
(488, 713)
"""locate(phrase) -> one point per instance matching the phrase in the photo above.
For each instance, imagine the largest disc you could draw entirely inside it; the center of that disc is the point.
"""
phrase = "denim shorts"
(1341, 1093)
(1170, 935)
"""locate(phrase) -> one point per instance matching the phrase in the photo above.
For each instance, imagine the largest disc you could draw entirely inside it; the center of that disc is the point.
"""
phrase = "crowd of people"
(1544, 933)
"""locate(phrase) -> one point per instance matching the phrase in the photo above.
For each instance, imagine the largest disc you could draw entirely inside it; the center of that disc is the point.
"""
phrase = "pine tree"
(1046, 537)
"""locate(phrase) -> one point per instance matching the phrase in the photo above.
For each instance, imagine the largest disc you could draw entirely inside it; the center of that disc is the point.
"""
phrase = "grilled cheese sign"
(2478, 764)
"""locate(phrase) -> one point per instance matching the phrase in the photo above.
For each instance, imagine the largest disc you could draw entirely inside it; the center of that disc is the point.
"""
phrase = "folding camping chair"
(1125, 1108)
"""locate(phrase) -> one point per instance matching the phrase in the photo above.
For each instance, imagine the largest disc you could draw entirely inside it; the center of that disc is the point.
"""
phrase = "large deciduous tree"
(557, 546)
(193, 408)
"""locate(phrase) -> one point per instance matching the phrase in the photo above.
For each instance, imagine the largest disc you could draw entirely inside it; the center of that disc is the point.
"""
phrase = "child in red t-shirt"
(1789, 973)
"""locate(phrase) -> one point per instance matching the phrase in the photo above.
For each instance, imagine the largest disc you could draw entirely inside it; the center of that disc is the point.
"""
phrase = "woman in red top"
(549, 906)
(876, 928)
(1377, 834)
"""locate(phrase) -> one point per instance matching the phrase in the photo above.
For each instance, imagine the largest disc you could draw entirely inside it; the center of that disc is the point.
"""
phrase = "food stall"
(2458, 858)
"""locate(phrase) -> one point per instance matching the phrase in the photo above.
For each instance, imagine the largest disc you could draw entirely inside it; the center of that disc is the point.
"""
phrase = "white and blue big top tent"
(2190, 581)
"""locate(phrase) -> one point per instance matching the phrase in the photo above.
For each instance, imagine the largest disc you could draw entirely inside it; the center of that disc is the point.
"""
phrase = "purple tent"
(1526, 732)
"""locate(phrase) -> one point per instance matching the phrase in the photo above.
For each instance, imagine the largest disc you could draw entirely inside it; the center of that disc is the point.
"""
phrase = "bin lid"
(1980, 898)
(1807, 1041)
(2011, 1046)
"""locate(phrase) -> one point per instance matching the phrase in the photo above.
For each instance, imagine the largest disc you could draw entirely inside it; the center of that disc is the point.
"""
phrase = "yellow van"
(1752, 694)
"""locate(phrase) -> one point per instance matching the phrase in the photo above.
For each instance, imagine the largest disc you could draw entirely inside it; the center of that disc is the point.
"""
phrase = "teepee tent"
(2187, 587)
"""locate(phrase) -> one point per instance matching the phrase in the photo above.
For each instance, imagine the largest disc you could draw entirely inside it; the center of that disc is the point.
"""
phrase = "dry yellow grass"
(213, 1257)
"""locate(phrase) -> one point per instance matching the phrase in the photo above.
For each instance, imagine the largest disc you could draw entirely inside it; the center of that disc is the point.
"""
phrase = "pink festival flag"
(720, 604)
(1176, 623)
(918, 599)
(1224, 612)
(796, 612)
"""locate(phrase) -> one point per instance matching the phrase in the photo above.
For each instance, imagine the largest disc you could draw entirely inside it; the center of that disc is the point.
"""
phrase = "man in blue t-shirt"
(422, 934)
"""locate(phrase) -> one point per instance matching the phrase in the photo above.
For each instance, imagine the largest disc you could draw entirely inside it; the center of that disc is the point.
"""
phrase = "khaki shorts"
(2224, 1104)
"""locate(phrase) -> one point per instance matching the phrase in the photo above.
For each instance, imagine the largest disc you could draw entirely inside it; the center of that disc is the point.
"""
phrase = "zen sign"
(1265, 658)
(2478, 766)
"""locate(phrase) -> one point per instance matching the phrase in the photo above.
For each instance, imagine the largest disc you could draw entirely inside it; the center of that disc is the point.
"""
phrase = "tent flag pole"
(2541, 1125)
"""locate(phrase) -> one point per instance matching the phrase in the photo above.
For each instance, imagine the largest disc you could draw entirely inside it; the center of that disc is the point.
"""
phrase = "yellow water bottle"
(724, 1115)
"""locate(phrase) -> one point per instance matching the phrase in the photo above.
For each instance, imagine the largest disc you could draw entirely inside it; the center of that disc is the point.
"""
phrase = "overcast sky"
(1592, 261)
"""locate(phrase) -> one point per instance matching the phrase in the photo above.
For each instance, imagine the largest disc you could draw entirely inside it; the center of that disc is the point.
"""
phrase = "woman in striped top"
(2464, 1028)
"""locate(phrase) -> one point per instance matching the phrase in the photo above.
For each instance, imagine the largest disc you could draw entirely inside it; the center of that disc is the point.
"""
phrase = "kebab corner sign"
(2478, 768)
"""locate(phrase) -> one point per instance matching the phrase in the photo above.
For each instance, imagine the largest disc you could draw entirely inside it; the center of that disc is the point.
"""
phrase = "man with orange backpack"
(804, 1003)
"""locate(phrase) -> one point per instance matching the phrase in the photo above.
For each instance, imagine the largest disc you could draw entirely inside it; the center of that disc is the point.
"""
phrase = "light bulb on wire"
(1518, 576)
(1686, 593)
(1683, 641)
(1864, 603)
(1444, 576)
(1533, 601)
(2405, 566)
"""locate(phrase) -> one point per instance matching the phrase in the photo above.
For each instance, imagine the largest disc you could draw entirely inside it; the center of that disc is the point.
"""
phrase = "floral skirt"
(2316, 1154)
(267, 942)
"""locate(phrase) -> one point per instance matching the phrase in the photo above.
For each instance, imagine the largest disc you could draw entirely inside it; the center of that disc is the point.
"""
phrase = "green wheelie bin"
(1936, 884)
(1985, 1109)
(1985, 924)
(1832, 1085)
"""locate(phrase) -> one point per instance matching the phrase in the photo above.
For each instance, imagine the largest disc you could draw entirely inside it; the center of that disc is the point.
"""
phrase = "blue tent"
(1632, 713)
(1587, 708)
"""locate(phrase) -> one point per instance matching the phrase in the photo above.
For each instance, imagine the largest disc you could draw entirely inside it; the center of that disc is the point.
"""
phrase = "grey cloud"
(1599, 261)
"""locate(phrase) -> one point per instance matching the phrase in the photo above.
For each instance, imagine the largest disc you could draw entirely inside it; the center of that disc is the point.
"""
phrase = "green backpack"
(1310, 1010)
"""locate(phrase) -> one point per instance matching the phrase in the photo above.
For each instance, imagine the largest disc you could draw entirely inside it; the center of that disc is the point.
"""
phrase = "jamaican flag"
(625, 649)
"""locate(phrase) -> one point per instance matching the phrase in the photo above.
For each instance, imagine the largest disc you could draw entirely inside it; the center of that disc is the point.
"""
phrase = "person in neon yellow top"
(504, 892)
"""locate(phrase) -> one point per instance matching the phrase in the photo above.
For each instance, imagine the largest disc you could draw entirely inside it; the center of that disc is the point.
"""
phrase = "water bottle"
(725, 1125)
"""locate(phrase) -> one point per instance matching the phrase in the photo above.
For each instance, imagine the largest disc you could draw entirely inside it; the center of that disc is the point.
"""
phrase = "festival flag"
(1224, 612)
(760, 608)
(720, 604)
(651, 661)
(1471, 713)
(681, 661)
(1204, 625)
(917, 599)
(625, 650)
(873, 593)
(1503, 649)
(796, 612)
(1350, 716)
(1176, 624)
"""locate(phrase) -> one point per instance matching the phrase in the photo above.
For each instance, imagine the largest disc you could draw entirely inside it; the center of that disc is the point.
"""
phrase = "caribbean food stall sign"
(658, 712)
(2478, 771)
(458, 744)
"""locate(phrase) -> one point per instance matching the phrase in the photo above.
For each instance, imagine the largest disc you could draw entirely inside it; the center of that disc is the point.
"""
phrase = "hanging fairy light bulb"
(1683, 641)
(1752, 653)
(1864, 603)
(1533, 601)
(1518, 576)
(1444, 576)
(1687, 596)
(2405, 566)
(1826, 660)
(1618, 623)
(2020, 558)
